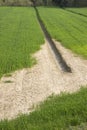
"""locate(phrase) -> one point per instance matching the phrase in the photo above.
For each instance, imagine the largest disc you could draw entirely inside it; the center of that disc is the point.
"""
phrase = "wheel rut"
(57, 55)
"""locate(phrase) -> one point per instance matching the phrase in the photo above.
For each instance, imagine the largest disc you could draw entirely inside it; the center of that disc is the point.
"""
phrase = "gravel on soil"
(26, 88)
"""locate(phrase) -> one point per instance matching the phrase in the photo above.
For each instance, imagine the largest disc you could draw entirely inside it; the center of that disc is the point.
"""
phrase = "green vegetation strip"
(20, 36)
(56, 113)
(68, 28)
(81, 11)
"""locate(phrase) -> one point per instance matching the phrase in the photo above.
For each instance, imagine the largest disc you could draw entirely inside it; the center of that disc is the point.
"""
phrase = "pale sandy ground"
(30, 86)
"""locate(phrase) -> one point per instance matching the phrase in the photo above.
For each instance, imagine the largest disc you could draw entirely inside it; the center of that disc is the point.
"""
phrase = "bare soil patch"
(26, 88)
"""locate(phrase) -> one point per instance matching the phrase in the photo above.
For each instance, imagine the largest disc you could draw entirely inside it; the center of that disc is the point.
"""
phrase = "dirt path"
(30, 86)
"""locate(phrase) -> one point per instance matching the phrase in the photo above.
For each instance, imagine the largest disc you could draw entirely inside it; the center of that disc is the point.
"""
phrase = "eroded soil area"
(26, 88)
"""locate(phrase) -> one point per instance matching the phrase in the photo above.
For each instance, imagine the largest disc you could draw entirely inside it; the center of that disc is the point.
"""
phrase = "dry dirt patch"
(30, 86)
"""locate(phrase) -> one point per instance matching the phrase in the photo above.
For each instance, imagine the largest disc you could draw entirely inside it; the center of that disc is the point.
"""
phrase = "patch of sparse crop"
(63, 112)
(68, 28)
(20, 36)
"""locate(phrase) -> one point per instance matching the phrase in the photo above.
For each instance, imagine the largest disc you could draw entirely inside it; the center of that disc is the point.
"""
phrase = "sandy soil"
(27, 87)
